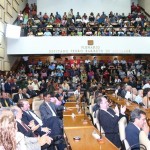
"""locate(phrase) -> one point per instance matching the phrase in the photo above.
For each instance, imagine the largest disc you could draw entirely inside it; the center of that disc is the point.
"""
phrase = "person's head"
(138, 117)
(19, 91)
(103, 102)
(24, 90)
(30, 87)
(17, 112)
(140, 93)
(23, 104)
(4, 95)
(128, 88)
(146, 92)
(8, 129)
(46, 96)
(134, 91)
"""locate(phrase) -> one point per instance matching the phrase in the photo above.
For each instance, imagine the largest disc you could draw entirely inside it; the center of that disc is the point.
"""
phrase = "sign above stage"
(78, 45)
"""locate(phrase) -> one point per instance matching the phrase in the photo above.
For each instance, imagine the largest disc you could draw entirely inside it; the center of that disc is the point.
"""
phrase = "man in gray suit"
(49, 117)
(49, 109)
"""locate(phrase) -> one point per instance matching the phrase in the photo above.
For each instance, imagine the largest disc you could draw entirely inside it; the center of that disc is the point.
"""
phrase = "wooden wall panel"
(2, 3)
(104, 58)
(9, 9)
(15, 6)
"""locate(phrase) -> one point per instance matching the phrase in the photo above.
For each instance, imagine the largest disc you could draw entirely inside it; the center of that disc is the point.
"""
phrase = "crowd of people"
(112, 24)
(53, 81)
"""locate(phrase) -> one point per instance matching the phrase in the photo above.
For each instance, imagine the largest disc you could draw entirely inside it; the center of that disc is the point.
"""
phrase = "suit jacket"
(46, 112)
(132, 134)
(109, 122)
(2, 101)
(31, 93)
(14, 87)
(16, 97)
(24, 131)
(26, 118)
(30, 134)
(7, 87)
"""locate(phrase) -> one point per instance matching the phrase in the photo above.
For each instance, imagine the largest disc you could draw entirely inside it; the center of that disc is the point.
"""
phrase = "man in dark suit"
(137, 123)
(28, 116)
(14, 86)
(18, 96)
(31, 92)
(43, 141)
(108, 119)
(49, 109)
(7, 86)
(4, 100)
(40, 127)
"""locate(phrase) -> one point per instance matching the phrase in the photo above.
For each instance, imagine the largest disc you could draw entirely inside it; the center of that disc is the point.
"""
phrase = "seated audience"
(4, 100)
(19, 96)
(139, 97)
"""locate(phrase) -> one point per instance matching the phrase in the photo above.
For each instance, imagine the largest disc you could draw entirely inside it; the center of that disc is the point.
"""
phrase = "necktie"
(20, 96)
(6, 104)
(53, 113)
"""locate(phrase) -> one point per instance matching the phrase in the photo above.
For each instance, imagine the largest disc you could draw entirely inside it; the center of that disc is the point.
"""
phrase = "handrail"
(145, 12)
(16, 64)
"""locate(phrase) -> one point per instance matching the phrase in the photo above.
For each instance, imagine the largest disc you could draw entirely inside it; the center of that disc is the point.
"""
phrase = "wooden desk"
(72, 98)
(76, 122)
(71, 111)
(70, 104)
(87, 142)
(130, 105)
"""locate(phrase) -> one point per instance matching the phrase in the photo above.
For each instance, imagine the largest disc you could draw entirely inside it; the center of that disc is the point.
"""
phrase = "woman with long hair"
(8, 130)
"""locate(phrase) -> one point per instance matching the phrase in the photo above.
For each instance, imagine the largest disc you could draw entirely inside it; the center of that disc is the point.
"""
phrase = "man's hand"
(116, 110)
(122, 109)
(46, 130)
(35, 127)
(44, 139)
(31, 123)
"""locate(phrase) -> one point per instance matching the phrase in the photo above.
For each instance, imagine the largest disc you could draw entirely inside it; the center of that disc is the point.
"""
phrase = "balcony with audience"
(112, 24)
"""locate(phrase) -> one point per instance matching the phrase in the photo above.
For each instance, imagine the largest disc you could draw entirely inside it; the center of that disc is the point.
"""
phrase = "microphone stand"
(100, 130)
(83, 105)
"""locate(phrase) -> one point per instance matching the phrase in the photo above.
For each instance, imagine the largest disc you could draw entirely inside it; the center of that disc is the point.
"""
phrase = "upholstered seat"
(144, 140)
(35, 107)
(122, 125)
